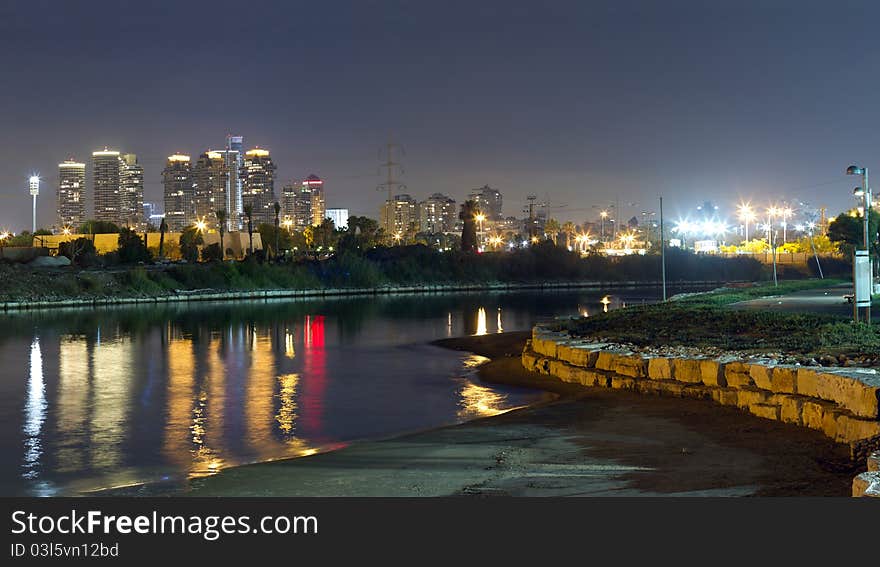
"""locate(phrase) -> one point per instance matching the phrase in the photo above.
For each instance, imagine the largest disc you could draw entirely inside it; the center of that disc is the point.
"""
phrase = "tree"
(221, 226)
(551, 229)
(273, 236)
(325, 234)
(249, 213)
(469, 229)
(190, 240)
(568, 229)
(212, 252)
(847, 231)
(163, 228)
(277, 208)
(131, 248)
(362, 234)
(81, 251)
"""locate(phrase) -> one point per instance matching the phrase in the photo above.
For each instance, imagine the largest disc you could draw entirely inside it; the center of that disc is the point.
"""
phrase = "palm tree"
(568, 229)
(551, 229)
(163, 227)
(249, 213)
(469, 229)
(221, 226)
(277, 210)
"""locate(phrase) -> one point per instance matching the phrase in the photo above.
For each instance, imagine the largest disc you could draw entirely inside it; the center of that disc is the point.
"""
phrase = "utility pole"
(391, 184)
(662, 249)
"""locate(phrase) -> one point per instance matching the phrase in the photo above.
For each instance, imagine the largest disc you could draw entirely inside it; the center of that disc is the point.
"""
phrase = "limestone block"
(671, 388)
(579, 355)
(697, 392)
(808, 382)
(622, 383)
(850, 428)
(603, 379)
(812, 412)
(632, 365)
(874, 461)
(545, 345)
(853, 389)
(605, 360)
(688, 370)
(724, 396)
(648, 387)
(736, 379)
(761, 375)
(712, 373)
(866, 484)
(661, 368)
(529, 361)
(747, 397)
(784, 380)
(830, 424)
(585, 377)
(560, 370)
(790, 408)
(767, 411)
(737, 366)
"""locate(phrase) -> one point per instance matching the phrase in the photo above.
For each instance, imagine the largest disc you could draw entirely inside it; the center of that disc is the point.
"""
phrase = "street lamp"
(746, 215)
(480, 217)
(865, 193)
(201, 225)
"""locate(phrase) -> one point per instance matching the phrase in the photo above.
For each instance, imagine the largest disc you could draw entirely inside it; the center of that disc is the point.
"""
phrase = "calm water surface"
(109, 397)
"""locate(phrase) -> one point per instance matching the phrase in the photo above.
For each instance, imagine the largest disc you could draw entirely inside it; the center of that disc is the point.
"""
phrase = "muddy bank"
(688, 444)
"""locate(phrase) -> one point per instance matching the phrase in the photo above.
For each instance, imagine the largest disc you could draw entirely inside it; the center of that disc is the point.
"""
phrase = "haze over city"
(556, 100)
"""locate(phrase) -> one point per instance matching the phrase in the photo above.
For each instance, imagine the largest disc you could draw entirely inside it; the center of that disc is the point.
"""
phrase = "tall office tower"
(437, 213)
(71, 195)
(210, 177)
(316, 188)
(105, 185)
(258, 185)
(488, 201)
(131, 192)
(400, 216)
(178, 180)
(339, 217)
(234, 161)
(288, 200)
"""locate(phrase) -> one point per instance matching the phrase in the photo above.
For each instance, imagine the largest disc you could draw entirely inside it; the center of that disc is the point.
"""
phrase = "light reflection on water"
(114, 397)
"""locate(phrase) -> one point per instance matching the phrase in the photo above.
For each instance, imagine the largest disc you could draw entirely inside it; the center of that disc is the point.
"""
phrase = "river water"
(115, 396)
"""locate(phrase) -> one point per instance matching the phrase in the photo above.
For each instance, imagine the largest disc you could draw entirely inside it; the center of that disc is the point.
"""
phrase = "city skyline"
(576, 113)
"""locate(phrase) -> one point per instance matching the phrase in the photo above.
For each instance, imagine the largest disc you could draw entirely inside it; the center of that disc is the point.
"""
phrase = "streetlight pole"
(866, 194)
(662, 250)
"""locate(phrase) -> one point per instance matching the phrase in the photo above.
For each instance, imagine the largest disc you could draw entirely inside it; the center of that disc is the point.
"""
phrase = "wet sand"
(590, 442)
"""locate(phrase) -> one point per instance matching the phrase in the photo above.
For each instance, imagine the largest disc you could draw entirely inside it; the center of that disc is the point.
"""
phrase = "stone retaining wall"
(868, 483)
(842, 403)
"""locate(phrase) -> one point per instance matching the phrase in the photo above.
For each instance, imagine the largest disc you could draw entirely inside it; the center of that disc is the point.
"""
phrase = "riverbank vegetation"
(708, 321)
(376, 267)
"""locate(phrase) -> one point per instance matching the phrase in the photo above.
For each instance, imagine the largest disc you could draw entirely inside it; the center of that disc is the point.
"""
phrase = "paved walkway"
(828, 301)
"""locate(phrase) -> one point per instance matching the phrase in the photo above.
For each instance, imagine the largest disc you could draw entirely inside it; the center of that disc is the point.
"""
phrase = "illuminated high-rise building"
(437, 213)
(401, 217)
(339, 217)
(71, 195)
(178, 180)
(210, 179)
(234, 159)
(105, 185)
(304, 204)
(258, 185)
(131, 192)
(488, 201)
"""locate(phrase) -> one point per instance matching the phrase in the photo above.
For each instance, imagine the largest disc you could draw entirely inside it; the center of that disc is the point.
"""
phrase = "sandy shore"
(591, 442)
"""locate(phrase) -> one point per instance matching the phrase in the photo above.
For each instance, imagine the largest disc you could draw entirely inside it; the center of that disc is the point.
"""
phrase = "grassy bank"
(704, 320)
(404, 265)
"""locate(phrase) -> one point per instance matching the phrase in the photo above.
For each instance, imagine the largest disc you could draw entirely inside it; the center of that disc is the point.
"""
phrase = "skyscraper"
(258, 185)
(400, 216)
(234, 156)
(131, 192)
(71, 194)
(210, 178)
(178, 180)
(288, 200)
(315, 187)
(105, 186)
(437, 213)
(488, 201)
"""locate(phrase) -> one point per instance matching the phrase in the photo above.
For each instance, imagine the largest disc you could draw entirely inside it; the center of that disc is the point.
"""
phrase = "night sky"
(581, 102)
